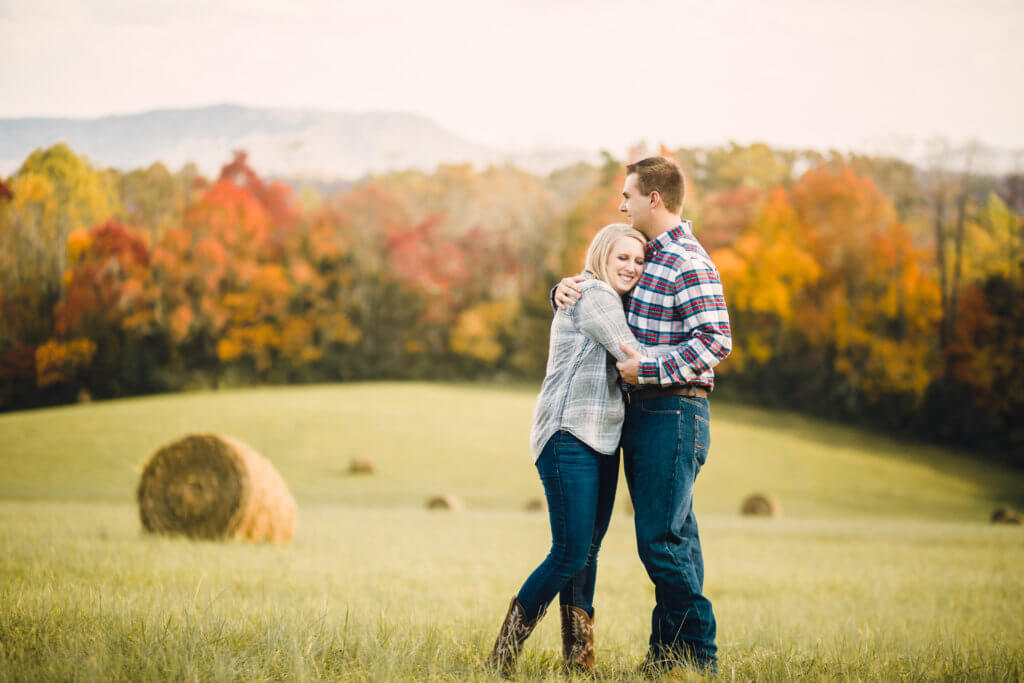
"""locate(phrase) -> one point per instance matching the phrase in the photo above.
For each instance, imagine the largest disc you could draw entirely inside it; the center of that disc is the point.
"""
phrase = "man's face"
(635, 205)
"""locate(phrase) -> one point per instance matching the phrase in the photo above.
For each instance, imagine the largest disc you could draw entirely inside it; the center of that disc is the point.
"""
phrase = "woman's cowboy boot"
(514, 632)
(577, 639)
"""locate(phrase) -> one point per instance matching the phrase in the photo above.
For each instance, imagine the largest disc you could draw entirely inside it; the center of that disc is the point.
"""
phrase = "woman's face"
(625, 264)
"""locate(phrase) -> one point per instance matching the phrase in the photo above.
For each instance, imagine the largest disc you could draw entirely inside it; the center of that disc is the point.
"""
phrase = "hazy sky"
(870, 74)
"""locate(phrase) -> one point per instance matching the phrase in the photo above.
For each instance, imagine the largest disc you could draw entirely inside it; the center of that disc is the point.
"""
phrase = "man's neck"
(662, 224)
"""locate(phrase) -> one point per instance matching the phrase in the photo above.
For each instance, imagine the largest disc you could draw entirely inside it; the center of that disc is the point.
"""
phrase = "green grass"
(473, 441)
(884, 567)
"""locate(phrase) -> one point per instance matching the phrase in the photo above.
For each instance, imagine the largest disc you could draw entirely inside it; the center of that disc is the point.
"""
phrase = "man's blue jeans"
(665, 442)
(579, 484)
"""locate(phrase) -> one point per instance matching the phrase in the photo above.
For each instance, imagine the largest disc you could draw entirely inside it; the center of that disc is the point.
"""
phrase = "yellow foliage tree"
(54, 193)
(992, 244)
(764, 273)
(479, 330)
(58, 361)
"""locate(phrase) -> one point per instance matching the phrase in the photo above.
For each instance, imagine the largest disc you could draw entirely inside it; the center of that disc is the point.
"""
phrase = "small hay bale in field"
(445, 502)
(362, 465)
(84, 396)
(1005, 515)
(212, 486)
(535, 505)
(761, 505)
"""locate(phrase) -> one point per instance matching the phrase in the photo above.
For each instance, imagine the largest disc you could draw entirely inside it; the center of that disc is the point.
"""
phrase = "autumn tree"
(827, 290)
(766, 271)
(222, 286)
(875, 301)
(154, 199)
(955, 193)
(101, 306)
(984, 357)
(53, 193)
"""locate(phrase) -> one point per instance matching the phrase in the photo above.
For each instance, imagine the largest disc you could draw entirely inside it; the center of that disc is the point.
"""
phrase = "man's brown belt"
(658, 392)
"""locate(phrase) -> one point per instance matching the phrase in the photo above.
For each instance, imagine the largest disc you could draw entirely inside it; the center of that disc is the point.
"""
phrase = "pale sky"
(869, 74)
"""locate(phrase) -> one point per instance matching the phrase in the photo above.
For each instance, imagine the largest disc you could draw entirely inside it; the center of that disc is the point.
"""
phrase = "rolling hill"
(298, 143)
(471, 440)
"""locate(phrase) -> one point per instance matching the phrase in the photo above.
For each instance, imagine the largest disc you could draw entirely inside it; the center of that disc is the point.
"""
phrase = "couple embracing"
(633, 343)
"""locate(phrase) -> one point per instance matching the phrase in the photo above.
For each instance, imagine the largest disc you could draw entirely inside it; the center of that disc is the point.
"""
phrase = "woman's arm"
(599, 315)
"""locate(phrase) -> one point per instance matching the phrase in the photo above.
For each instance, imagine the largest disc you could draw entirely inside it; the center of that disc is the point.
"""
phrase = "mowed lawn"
(883, 568)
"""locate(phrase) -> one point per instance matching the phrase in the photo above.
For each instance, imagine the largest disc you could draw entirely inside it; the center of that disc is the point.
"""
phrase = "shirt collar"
(684, 229)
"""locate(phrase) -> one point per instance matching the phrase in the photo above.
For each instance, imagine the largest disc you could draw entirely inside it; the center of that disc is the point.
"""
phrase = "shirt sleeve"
(700, 304)
(551, 296)
(599, 315)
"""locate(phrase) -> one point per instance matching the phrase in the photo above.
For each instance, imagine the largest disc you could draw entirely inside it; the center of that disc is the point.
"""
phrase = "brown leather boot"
(514, 632)
(577, 639)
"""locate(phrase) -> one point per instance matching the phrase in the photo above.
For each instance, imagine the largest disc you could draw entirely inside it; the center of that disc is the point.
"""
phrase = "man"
(677, 311)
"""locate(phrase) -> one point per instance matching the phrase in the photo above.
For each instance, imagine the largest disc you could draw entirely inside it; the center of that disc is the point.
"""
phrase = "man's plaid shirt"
(677, 312)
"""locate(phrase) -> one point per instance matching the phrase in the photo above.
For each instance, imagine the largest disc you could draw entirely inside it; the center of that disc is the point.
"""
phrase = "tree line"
(860, 288)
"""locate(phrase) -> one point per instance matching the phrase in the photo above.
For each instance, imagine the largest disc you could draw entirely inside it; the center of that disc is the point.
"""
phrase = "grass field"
(884, 567)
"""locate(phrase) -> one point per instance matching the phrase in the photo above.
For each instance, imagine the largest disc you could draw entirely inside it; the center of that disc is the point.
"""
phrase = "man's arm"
(700, 304)
(566, 292)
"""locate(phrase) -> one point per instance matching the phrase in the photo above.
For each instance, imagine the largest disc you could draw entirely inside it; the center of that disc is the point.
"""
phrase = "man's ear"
(655, 199)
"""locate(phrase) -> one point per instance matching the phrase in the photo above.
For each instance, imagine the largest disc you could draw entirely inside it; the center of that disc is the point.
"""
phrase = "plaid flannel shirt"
(677, 311)
(581, 393)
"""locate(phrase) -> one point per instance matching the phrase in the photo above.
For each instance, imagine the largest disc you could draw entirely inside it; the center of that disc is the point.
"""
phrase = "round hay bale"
(1005, 515)
(535, 505)
(761, 505)
(211, 486)
(84, 396)
(362, 465)
(445, 502)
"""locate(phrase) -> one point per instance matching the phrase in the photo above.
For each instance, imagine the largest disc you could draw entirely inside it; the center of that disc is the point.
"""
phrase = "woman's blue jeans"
(580, 486)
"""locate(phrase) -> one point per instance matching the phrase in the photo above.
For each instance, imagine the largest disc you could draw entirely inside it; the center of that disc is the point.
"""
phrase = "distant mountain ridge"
(300, 143)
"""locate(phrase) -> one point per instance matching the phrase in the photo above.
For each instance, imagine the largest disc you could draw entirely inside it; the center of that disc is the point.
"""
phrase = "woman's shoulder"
(596, 297)
(594, 283)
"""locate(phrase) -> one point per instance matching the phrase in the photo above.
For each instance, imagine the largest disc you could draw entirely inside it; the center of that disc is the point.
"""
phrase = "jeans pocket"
(665, 405)
(701, 439)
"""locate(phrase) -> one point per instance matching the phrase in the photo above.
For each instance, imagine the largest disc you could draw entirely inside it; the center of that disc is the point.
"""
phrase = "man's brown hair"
(665, 176)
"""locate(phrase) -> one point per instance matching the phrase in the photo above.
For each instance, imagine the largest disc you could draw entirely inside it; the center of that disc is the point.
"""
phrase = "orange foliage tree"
(876, 302)
(828, 277)
(247, 283)
(98, 343)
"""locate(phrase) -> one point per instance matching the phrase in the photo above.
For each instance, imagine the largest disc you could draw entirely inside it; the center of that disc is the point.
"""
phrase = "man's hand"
(568, 291)
(629, 369)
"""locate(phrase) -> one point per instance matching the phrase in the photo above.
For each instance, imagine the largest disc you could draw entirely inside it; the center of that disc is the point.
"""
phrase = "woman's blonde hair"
(601, 246)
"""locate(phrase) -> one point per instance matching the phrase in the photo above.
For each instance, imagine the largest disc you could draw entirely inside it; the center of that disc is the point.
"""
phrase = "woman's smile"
(627, 277)
(625, 263)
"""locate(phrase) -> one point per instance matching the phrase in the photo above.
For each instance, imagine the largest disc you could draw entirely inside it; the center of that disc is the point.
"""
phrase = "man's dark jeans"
(580, 487)
(665, 442)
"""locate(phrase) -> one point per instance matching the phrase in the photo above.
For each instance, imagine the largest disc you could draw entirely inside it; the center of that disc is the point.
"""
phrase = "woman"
(577, 423)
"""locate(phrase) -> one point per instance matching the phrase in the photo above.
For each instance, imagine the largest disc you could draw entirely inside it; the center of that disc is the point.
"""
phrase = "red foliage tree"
(106, 283)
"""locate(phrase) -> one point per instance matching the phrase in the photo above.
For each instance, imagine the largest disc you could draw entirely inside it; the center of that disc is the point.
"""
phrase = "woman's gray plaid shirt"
(581, 391)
